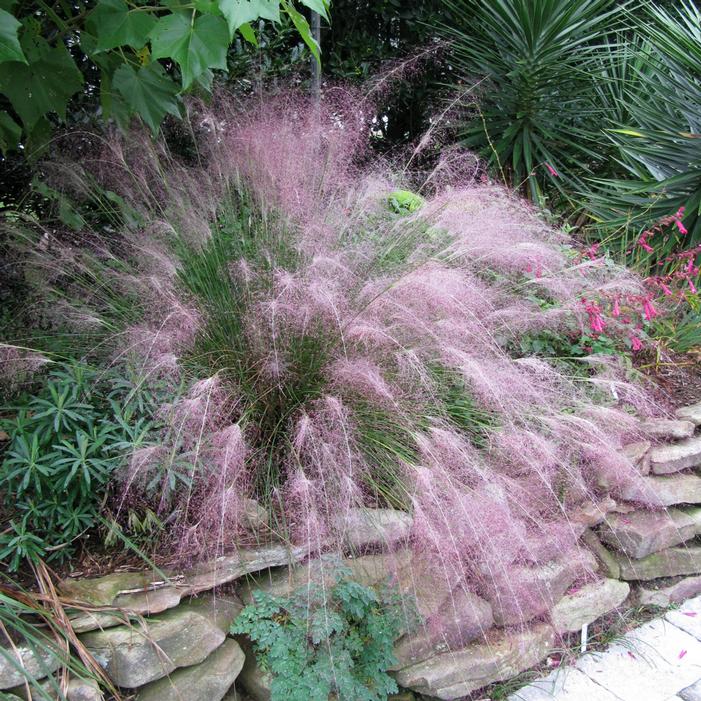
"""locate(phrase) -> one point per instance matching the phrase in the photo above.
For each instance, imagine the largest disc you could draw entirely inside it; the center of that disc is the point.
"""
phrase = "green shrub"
(320, 644)
(64, 444)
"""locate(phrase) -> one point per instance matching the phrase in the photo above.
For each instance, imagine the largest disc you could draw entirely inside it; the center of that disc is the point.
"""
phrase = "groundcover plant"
(338, 352)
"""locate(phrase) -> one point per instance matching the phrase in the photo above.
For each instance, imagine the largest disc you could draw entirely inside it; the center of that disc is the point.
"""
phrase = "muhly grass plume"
(338, 355)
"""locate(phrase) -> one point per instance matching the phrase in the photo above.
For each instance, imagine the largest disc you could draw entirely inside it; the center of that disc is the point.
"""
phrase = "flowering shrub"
(626, 315)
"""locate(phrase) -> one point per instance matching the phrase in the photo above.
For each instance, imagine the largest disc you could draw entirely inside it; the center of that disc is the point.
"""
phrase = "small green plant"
(321, 644)
(404, 201)
(64, 444)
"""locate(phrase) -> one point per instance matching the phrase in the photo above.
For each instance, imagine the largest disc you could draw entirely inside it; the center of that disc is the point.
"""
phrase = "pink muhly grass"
(334, 390)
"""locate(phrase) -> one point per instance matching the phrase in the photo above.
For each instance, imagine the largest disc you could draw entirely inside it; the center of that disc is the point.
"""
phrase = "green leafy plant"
(658, 138)
(536, 65)
(404, 201)
(64, 444)
(320, 644)
(144, 57)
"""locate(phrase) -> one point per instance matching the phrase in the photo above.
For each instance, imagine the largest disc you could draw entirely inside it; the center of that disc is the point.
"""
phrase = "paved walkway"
(660, 661)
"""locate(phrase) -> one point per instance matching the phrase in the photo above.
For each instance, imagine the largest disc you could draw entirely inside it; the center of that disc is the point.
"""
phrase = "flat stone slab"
(588, 603)
(207, 681)
(673, 562)
(651, 663)
(665, 459)
(640, 533)
(147, 593)
(668, 429)
(690, 413)
(664, 491)
(368, 570)
(453, 675)
(687, 617)
(568, 684)
(691, 693)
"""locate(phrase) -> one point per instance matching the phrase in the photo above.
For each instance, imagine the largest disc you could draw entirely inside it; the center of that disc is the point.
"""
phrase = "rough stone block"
(666, 459)
(208, 681)
(146, 593)
(668, 591)
(527, 592)
(587, 604)
(667, 429)
(637, 453)
(605, 558)
(461, 618)
(640, 533)
(664, 491)
(680, 560)
(455, 674)
(690, 413)
(39, 663)
(382, 527)
(136, 655)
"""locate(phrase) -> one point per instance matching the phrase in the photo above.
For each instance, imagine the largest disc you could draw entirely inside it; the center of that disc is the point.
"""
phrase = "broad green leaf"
(148, 92)
(194, 46)
(207, 7)
(10, 132)
(116, 25)
(239, 12)
(319, 6)
(45, 85)
(248, 34)
(10, 50)
(300, 22)
(112, 103)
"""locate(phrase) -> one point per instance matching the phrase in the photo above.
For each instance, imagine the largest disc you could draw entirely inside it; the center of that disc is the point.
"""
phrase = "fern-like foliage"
(325, 643)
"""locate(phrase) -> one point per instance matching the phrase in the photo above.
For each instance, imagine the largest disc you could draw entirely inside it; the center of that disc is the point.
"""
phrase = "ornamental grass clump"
(338, 354)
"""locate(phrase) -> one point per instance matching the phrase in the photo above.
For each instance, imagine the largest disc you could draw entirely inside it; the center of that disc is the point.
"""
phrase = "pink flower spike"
(665, 289)
(682, 229)
(692, 287)
(649, 310)
(552, 171)
(690, 614)
(681, 654)
(616, 308)
(636, 343)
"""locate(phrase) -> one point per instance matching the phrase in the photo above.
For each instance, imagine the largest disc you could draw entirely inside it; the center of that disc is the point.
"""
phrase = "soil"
(679, 378)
